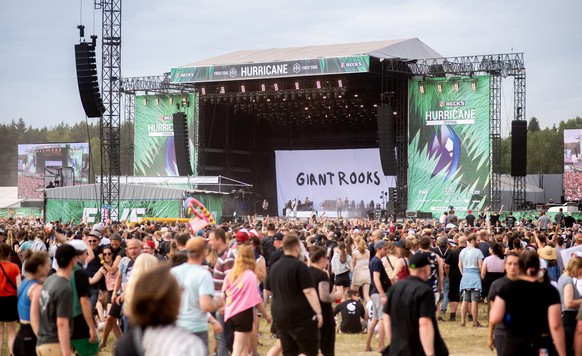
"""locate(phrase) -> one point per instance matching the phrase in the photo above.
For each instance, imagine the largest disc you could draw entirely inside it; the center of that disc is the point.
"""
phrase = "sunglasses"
(93, 241)
(107, 254)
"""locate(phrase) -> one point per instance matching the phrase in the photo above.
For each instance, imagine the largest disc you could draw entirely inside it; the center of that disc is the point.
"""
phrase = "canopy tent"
(300, 61)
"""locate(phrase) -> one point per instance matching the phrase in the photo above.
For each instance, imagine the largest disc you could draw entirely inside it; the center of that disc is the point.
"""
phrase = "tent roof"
(9, 197)
(407, 49)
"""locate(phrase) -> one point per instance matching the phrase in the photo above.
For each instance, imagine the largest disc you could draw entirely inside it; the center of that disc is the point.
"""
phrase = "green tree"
(533, 125)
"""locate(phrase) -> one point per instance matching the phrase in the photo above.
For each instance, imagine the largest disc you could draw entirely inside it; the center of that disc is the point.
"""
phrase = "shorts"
(471, 295)
(115, 310)
(25, 342)
(243, 321)
(84, 347)
(343, 279)
(437, 297)
(378, 308)
(9, 309)
(49, 350)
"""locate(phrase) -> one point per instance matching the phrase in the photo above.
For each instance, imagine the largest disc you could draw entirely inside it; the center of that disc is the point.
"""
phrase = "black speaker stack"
(386, 140)
(181, 146)
(87, 79)
(518, 148)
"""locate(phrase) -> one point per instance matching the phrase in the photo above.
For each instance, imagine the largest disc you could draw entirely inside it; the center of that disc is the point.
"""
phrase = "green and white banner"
(154, 154)
(280, 69)
(449, 144)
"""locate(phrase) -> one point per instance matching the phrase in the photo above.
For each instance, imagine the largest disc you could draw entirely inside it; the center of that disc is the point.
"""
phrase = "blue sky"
(37, 70)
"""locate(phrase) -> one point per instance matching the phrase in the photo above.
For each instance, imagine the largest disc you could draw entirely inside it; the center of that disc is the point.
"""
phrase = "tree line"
(545, 147)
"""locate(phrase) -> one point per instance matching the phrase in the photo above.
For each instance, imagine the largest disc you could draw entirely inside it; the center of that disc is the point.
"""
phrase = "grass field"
(459, 340)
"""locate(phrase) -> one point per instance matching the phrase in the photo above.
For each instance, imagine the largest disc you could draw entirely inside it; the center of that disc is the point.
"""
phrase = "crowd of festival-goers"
(161, 288)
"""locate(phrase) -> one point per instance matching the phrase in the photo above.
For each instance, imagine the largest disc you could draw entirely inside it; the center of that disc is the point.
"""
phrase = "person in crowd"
(180, 256)
(242, 297)
(443, 250)
(361, 268)
(496, 336)
(493, 267)
(436, 277)
(533, 323)
(296, 309)
(319, 261)
(341, 269)
(401, 270)
(570, 298)
(56, 306)
(9, 282)
(143, 263)
(410, 313)
(543, 222)
(94, 265)
(108, 273)
(36, 272)
(470, 264)
(223, 264)
(154, 331)
(379, 287)
(198, 290)
(352, 313)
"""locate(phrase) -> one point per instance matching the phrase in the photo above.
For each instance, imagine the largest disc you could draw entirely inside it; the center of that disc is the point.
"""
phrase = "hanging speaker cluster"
(181, 146)
(518, 148)
(386, 140)
(87, 79)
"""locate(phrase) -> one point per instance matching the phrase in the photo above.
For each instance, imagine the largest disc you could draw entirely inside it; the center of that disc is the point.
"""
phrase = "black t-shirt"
(408, 301)
(275, 256)
(470, 220)
(526, 308)
(496, 286)
(320, 276)
(510, 221)
(352, 312)
(376, 265)
(484, 247)
(569, 221)
(493, 219)
(453, 261)
(80, 328)
(287, 279)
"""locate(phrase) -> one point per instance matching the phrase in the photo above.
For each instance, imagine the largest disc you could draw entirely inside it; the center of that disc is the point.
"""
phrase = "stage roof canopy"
(300, 61)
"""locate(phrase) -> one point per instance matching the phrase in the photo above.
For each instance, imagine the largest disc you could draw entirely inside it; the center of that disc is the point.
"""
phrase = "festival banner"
(54, 164)
(324, 176)
(154, 153)
(449, 144)
(280, 69)
(573, 164)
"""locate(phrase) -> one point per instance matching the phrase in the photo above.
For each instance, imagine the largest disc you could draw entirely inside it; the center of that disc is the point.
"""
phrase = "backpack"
(164, 248)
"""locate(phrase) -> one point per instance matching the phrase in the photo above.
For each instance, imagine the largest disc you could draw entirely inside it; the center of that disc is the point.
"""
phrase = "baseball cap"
(419, 260)
(398, 243)
(79, 246)
(380, 244)
(64, 254)
(242, 236)
(279, 237)
(95, 233)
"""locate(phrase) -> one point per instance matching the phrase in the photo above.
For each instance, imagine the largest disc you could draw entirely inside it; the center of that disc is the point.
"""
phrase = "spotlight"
(203, 90)
(276, 87)
(296, 85)
(421, 88)
(145, 101)
(171, 101)
(222, 90)
(473, 86)
(243, 89)
(157, 101)
(456, 86)
(340, 83)
(318, 84)
(440, 88)
(263, 88)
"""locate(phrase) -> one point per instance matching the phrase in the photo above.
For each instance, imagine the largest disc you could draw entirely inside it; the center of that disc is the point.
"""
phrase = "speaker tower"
(181, 146)
(87, 79)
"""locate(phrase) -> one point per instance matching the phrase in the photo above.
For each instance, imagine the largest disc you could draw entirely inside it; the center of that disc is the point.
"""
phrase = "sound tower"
(386, 140)
(181, 147)
(87, 79)
(518, 148)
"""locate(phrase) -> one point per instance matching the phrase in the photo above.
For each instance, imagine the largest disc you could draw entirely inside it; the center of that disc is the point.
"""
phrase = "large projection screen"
(37, 160)
(573, 165)
(449, 144)
(324, 176)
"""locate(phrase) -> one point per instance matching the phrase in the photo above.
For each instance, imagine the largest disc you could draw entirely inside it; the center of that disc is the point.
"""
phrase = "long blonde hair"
(245, 260)
(143, 263)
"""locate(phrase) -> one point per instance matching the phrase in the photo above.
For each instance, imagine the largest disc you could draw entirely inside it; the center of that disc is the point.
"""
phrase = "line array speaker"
(518, 148)
(87, 80)
(386, 140)
(181, 147)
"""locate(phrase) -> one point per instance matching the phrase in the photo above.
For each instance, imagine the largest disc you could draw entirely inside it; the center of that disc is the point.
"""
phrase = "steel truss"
(519, 114)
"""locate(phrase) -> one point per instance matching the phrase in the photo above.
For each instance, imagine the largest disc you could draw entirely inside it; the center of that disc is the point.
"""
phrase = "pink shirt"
(494, 264)
(241, 294)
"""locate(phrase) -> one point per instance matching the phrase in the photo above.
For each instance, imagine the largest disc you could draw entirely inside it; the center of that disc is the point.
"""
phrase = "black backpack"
(164, 248)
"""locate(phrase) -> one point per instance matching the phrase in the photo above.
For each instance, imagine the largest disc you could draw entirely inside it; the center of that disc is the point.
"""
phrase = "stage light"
(440, 88)
(203, 90)
(222, 90)
(340, 83)
(145, 101)
(276, 87)
(473, 86)
(355, 95)
(243, 89)
(171, 101)
(395, 113)
(157, 101)
(456, 86)
(318, 84)
(263, 88)
(297, 86)
(421, 88)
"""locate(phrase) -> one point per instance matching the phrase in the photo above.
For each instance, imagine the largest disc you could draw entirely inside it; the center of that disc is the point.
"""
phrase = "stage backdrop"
(572, 165)
(154, 154)
(34, 158)
(449, 141)
(326, 175)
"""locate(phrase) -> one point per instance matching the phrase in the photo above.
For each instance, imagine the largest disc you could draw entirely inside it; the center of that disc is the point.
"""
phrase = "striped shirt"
(223, 264)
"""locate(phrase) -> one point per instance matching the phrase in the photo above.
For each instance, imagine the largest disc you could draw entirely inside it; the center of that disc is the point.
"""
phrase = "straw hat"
(548, 253)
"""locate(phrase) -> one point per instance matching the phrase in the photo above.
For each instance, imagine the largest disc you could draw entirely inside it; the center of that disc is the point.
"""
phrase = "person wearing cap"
(198, 290)
(56, 306)
(410, 313)
(470, 218)
(378, 288)
(278, 245)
